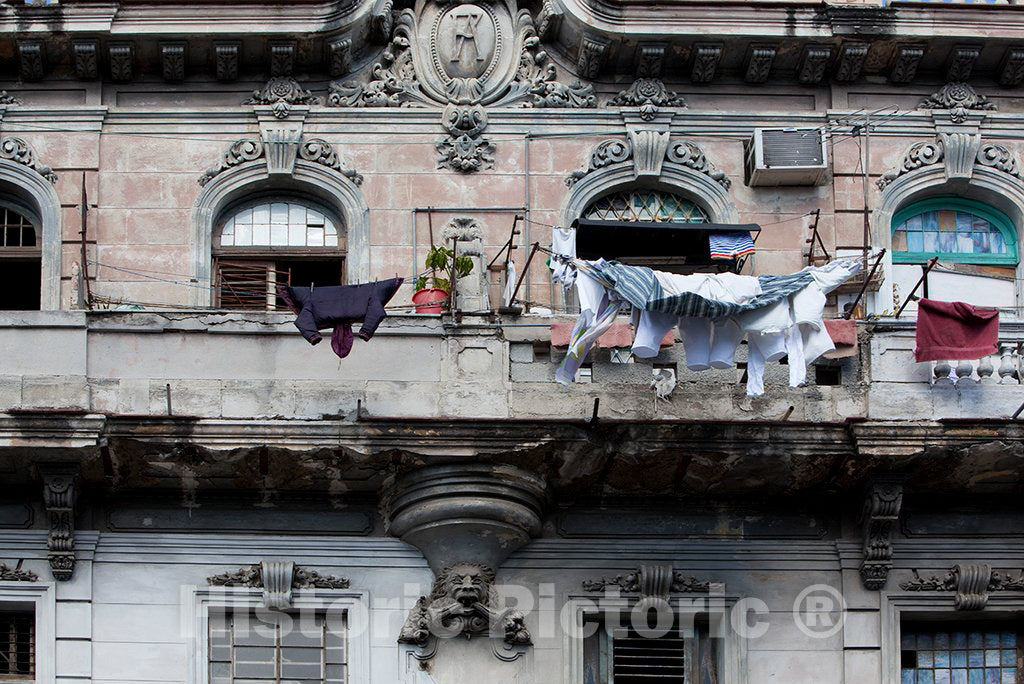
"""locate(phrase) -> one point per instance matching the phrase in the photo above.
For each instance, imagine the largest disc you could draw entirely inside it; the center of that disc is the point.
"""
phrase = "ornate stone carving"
(17, 150)
(648, 94)
(650, 581)
(315, 150)
(759, 63)
(282, 59)
(920, 154)
(282, 93)
(86, 61)
(30, 60)
(320, 151)
(459, 58)
(961, 62)
(813, 63)
(1011, 71)
(277, 579)
(1000, 158)
(6, 99)
(122, 61)
(549, 19)
(688, 154)
(465, 149)
(592, 55)
(339, 56)
(173, 61)
(649, 61)
(879, 519)
(463, 602)
(851, 60)
(958, 98)
(649, 147)
(607, 152)
(971, 582)
(16, 574)
(681, 152)
(705, 62)
(59, 500)
(961, 151)
(226, 56)
(382, 21)
(905, 63)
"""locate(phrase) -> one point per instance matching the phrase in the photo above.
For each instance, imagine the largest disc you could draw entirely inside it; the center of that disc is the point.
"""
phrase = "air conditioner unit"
(786, 156)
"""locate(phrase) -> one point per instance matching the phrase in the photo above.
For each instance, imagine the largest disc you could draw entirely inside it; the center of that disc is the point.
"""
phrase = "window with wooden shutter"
(272, 241)
(623, 655)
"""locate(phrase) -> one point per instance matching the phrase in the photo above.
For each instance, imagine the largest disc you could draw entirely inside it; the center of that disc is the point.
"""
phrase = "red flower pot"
(430, 301)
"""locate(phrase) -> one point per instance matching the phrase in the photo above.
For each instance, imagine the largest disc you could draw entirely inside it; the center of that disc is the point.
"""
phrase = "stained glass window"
(645, 205)
(953, 230)
(954, 655)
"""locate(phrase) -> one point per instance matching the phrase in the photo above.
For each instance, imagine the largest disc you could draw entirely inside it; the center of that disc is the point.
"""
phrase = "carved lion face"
(466, 584)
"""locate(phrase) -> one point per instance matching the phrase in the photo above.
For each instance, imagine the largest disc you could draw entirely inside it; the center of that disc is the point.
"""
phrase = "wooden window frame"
(997, 219)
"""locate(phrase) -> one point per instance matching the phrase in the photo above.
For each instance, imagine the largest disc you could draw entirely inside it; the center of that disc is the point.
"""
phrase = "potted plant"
(432, 291)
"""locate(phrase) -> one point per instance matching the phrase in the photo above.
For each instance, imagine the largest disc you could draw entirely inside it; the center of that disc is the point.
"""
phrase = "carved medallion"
(465, 42)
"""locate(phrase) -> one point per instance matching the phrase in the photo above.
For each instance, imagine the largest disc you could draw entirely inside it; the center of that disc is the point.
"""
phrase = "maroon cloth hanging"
(955, 331)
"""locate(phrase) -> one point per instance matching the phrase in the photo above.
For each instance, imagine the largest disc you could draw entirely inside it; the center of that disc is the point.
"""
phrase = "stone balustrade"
(1001, 369)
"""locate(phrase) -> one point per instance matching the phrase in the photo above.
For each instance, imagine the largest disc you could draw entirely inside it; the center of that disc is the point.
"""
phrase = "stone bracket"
(880, 519)
(277, 579)
(972, 582)
(649, 148)
(653, 582)
(59, 499)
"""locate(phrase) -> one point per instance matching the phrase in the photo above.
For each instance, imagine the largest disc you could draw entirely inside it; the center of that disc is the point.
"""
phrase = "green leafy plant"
(440, 259)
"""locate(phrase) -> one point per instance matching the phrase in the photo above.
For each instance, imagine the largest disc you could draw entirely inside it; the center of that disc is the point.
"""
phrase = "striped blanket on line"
(638, 286)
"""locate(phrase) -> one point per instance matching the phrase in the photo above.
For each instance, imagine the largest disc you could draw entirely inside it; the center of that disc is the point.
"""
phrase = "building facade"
(191, 493)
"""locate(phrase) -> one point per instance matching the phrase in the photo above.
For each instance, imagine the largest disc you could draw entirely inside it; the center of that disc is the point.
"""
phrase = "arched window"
(956, 231)
(268, 241)
(645, 205)
(20, 259)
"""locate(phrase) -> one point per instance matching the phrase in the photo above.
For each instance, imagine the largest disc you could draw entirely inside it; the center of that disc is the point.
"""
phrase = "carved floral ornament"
(463, 602)
(281, 93)
(314, 150)
(958, 98)
(278, 579)
(680, 152)
(961, 153)
(16, 574)
(649, 94)
(17, 150)
(971, 582)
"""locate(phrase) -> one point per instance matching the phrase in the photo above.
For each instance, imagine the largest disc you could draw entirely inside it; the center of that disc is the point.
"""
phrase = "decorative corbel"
(277, 579)
(59, 500)
(122, 61)
(705, 62)
(813, 63)
(339, 56)
(226, 55)
(1011, 70)
(549, 19)
(281, 139)
(972, 583)
(649, 60)
(905, 63)
(172, 56)
(880, 517)
(961, 152)
(30, 60)
(649, 148)
(759, 63)
(593, 52)
(851, 61)
(86, 59)
(382, 21)
(282, 58)
(961, 62)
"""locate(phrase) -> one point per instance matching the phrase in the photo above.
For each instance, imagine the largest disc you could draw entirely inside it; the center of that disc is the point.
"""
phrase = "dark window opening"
(20, 262)
(624, 655)
(17, 646)
(828, 375)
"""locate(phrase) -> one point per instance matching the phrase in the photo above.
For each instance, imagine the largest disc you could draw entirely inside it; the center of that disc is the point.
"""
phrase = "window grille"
(246, 648)
(645, 205)
(624, 656)
(960, 654)
(637, 659)
(17, 646)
